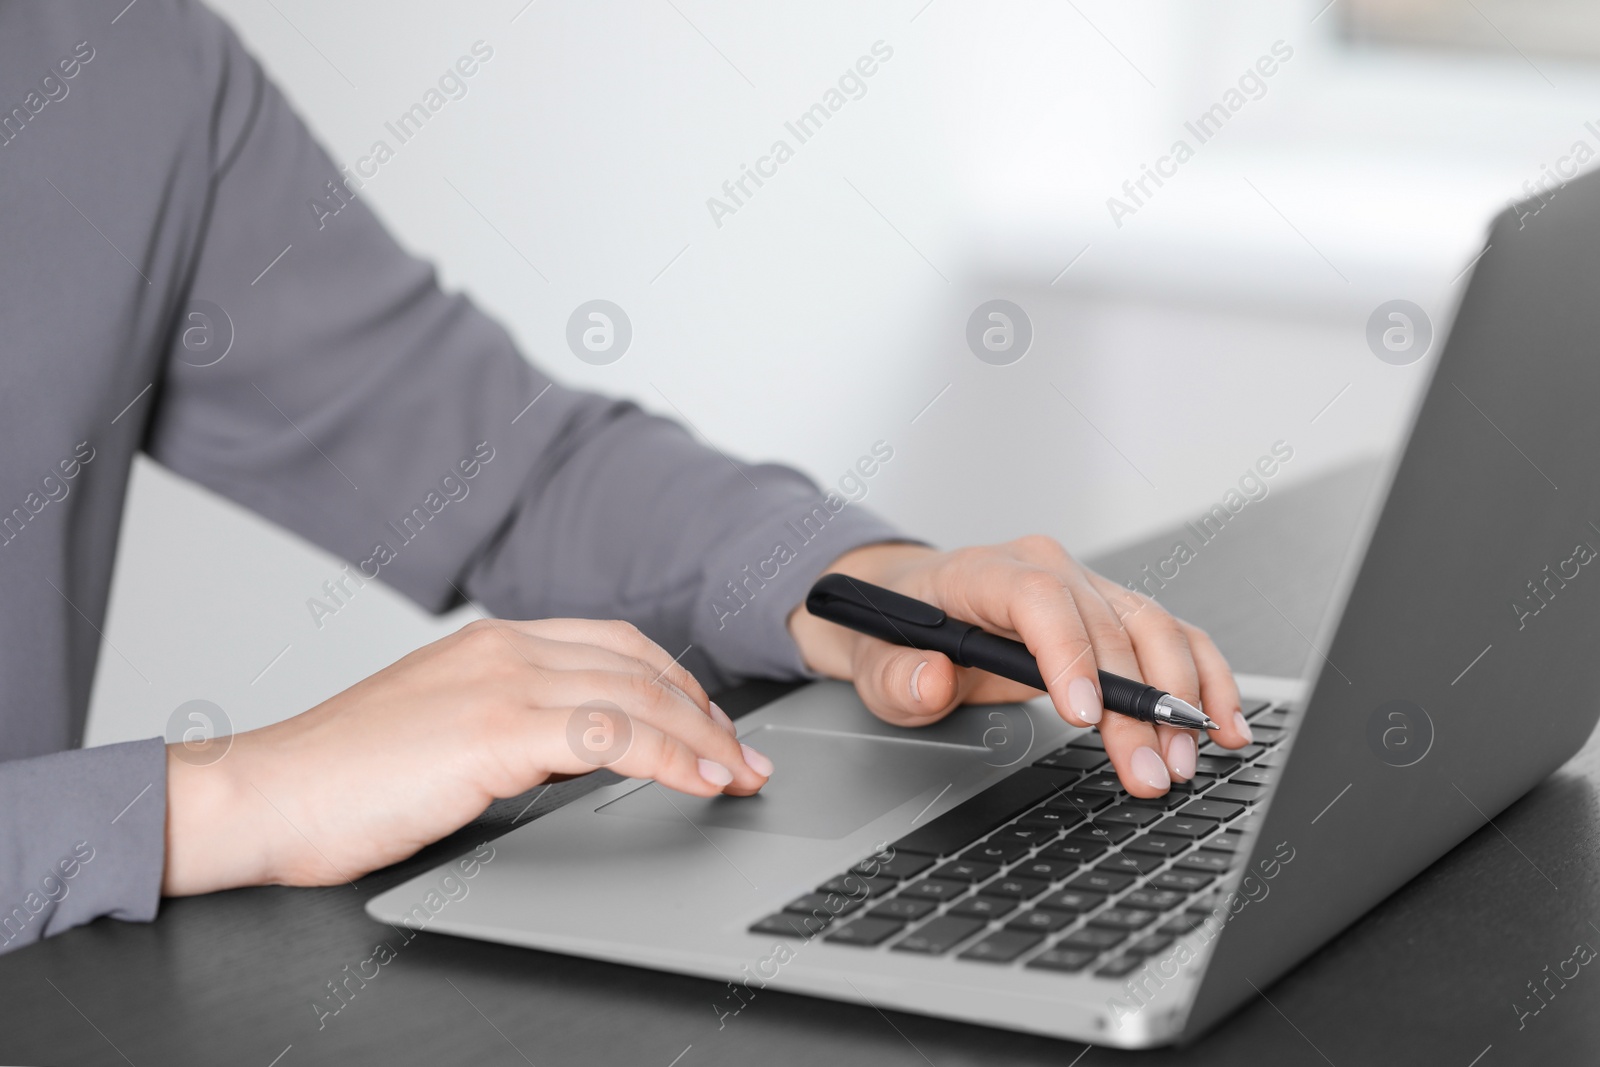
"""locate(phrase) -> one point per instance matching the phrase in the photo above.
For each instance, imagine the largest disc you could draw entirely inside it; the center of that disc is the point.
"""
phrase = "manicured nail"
(1148, 768)
(715, 773)
(1083, 700)
(1181, 755)
(916, 691)
(1242, 724)
(757, 762)
(722, 719)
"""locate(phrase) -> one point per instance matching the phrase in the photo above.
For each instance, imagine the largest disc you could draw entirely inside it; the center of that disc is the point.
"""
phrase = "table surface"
(1433, 975)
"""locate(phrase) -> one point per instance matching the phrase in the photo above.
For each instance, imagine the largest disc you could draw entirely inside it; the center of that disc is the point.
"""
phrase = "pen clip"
(865, 595)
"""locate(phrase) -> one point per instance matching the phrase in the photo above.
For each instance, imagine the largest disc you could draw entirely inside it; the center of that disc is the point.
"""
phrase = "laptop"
(988, 868)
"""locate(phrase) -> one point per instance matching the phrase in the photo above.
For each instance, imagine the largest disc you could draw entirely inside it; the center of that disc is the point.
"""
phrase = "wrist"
(210, 844)
(829, 649)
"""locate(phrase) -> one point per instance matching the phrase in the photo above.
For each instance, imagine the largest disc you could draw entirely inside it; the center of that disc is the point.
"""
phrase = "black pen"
(903, 620)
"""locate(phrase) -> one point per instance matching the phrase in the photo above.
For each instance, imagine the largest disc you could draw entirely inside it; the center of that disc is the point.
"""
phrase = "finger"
(904, 686)
(646, 751)
(1166, 661)
(626, 639)
(662, 707)
(1135, 748)
(1012, 596)
(1219, 693)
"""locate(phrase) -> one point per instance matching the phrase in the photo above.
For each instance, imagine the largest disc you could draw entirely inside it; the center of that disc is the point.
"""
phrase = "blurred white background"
(1170, 352)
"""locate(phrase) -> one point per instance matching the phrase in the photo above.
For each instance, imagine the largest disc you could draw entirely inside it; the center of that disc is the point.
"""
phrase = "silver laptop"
(989, 868)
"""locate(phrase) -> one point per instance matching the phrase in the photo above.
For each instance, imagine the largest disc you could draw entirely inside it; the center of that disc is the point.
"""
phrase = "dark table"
(1433, 975)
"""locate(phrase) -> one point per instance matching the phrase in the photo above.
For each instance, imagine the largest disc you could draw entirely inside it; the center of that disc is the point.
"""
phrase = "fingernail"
(758, 763)
(916, 673)
(715, 773)
(1148, 768)
(722, 718)
(1083, 700)
(1181, 755)
(1242, 724)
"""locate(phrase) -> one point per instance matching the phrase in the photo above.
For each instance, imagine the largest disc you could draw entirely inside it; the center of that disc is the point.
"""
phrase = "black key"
(1150, 944)
(981, 907)
(1015, 888)
(971, 819)
(1154, 899)
(788, 924)
(865, 931)
(1130, 862)
(1276, 720)
(1157, 844)
(1228, 842)
(1041, 922)
(1185, 826)
(1127, 815)
(1074, 759)
(902, 909)
(1084, 804)
(1023, 835)
(1165, 802)
(1049, 819)
(1110, 832)
(825, 903)
(1123, 919)
(1256, 709)
(1255, 776)
(1069, 960)
(1089, 740)
(938, 936)
(1222, 766)
(1211, 809)
(1051, 870)
(935, 889)
(1188, 881)
(1074, 850)
(1265, 735)
(995, 853)
(901, 865)
(1237, 794)
(1093, 939)
(1100, 783)
(1181, 924)
(1101, 881)
(1002, 946)
(855, 885)
(1073, 900)
(1272, 760)
(966, 871)
(1247, 753)
(1210, 862)
(1120, 967)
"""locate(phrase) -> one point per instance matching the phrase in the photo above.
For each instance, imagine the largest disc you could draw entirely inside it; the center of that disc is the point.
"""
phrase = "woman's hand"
(419, 749)
(1074, 621)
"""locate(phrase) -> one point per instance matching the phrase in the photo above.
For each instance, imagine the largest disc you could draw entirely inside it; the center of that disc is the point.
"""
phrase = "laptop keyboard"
(1055, 867)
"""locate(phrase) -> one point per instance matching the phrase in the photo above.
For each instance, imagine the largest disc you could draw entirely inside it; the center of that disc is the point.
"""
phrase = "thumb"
(905, 686)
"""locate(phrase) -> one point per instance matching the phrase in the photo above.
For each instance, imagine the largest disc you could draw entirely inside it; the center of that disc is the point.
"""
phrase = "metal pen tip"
(1186, 714)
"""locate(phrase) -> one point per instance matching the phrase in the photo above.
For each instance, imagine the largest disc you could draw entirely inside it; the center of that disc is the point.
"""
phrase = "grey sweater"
(165, 286)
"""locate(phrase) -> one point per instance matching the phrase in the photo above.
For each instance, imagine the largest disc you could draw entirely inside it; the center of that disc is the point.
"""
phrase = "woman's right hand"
(421, 748)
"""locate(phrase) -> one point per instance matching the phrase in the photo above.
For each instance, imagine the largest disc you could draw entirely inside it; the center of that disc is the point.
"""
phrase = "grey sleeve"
(95, 824)
(398, 426)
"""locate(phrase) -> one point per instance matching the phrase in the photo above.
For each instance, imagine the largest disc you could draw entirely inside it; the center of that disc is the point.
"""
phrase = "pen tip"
(1211, 725)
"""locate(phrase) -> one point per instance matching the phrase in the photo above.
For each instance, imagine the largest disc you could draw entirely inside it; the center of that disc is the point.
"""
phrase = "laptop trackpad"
(826, 785)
